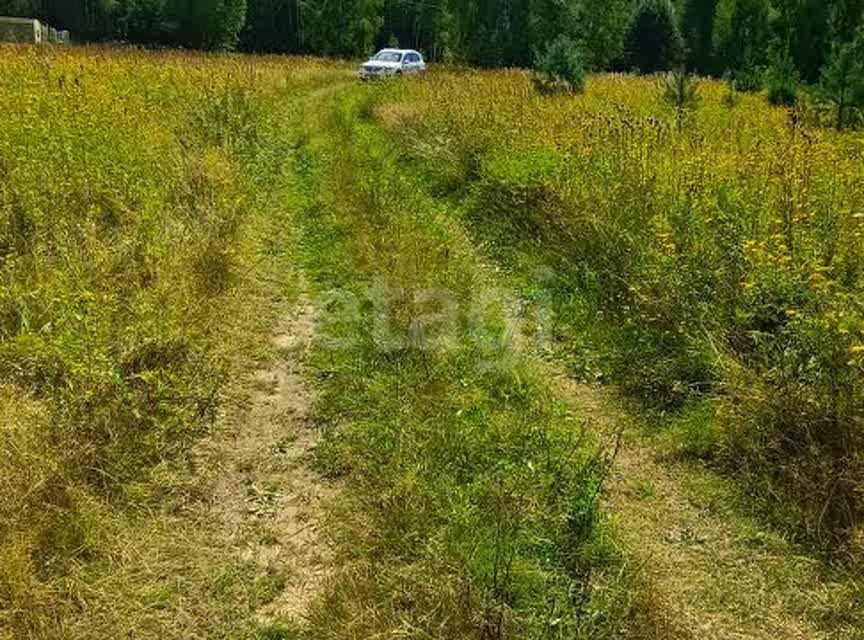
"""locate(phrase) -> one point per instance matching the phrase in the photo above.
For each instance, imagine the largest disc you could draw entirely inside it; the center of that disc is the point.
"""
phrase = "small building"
(21, 30)
(31, 31)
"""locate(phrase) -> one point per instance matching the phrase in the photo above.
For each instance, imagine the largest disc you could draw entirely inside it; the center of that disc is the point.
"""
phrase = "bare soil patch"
(267, 498)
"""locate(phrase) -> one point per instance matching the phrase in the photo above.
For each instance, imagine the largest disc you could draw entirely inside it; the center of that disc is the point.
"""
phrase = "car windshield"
(388, 56)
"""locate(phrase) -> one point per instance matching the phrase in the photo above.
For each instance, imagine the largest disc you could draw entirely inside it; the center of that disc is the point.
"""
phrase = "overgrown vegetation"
(134, 192)
(699, 248)
(720, 261)
(472, 496)
(709, 37)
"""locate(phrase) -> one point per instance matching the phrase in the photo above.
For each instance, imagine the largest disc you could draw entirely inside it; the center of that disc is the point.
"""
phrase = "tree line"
(707, 36)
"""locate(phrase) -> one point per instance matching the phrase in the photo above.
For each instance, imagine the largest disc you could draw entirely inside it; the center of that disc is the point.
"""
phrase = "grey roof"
(6, 20)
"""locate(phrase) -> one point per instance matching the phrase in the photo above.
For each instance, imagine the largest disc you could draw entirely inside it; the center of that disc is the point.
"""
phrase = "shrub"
(782, 81)
(793, 416)
(750, 79)
(559, 69)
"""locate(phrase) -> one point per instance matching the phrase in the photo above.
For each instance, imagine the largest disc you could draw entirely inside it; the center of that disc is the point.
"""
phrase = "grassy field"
(139, 195)
(469, 250)
(710, 260)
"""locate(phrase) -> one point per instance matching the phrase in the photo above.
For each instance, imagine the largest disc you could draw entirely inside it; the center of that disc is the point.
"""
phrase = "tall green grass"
(134, 198)
(471, 496)
(720, 259)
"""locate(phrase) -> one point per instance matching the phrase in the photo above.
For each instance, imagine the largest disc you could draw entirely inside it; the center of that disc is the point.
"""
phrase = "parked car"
(392, 62)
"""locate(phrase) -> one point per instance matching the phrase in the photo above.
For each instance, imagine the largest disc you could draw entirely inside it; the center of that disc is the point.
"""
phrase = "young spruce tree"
(843, 80)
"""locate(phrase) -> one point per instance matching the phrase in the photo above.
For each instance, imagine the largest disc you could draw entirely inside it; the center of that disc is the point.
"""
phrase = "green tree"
(15, 7)
(843, 80)
(742, 33)
(209, 24)
(343, 27)
(559, 69)
(681, 92)
(273, 25)
(413, 24)
(697, 22)
(141, 20)
(91, 19)
(801, 27)
(601, 28)
(844, 18)
(812, 38)
(782, 80)
(654, 42)
(549, 19)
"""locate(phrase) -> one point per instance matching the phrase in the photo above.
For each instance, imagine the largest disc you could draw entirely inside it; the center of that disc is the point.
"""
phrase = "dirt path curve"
(267, 498)
(705, 577)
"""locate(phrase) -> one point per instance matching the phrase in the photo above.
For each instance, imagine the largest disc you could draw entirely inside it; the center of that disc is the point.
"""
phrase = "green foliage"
(845, 19)
(273, 26)
(472, 499)
(697, 25)
(781, 80)
(600, 29)
(843, 80)
(742, 33)
(548, 20)
(708, 36)
(804, 26)
(654, 42)
(343, 27)
(558, 68)
(141, 20)
(681, 92)
(750, 79)
(206, 24)
(209, 24)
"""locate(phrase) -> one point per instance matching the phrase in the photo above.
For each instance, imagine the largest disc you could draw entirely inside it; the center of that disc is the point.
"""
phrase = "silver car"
(392, 62)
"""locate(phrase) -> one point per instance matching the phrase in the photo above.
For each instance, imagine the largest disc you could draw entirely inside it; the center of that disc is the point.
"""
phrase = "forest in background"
(710, 37)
